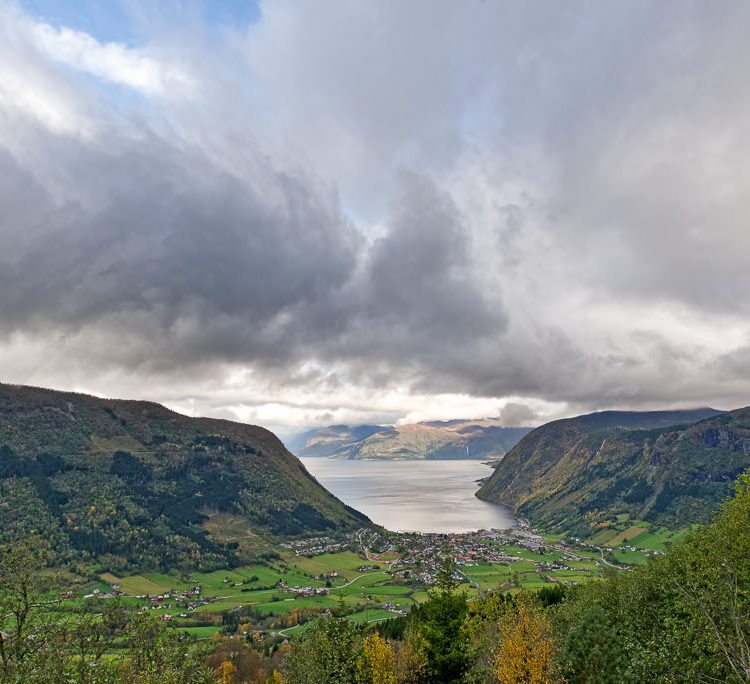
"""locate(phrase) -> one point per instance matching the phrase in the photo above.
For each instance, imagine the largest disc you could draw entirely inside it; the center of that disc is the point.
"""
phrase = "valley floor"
(368, 575)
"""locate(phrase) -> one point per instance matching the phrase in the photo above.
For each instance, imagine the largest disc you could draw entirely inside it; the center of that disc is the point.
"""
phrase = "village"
(417, 556)
(370, 574)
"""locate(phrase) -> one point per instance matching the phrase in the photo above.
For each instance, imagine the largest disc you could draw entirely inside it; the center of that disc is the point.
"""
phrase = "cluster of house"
(469, 548)
(389, 605)
(366, 567)
(189, 599)
(97, 593)
(558, 566)
(302, 591)
(316, 546)
(648, 552)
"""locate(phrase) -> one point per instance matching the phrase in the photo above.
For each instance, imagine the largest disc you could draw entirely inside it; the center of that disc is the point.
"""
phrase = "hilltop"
(586, 473)
(132, 484)
(480, 439)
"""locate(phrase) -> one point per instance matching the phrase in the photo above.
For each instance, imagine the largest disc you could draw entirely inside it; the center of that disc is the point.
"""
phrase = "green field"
(636, 533)
(488, 576)
(628, 557)
(389, 590)
(628, 535)
(371, 616)
(345, 563)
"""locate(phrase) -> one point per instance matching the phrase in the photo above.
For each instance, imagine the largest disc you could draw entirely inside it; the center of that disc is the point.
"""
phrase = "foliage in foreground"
(40, 645)
(684, 616)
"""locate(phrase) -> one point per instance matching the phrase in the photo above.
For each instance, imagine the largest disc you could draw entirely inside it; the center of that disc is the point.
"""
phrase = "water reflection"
(423, 496)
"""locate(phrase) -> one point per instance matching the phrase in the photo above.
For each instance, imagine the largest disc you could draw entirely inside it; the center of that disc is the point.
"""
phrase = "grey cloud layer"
(437, 196)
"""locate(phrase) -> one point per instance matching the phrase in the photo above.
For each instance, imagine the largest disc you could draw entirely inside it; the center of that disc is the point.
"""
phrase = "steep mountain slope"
(134, 484)
(435, 440)
(579, 473)
(328, 440)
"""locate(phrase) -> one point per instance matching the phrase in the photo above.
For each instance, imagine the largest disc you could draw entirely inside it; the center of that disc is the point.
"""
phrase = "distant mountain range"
(132, 484)
(670, 468)
(480, 439)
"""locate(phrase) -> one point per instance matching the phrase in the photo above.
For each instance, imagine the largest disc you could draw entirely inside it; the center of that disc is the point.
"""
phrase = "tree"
(482, 629)
(227, 673)
(524, 654)
(36, 648)
(684, 616)
(593, 651)
(24, 589)
(378, 666)
(710, 573)
(329, 651)
(411, 658)
(443, 616)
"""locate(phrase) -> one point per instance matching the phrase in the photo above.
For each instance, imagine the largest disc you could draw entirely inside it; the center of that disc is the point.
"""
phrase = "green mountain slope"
(578, 474)
(134, 484)
(479, 439)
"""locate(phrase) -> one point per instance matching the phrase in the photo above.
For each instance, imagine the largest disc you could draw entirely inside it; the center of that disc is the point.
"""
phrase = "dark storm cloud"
(417, 302)
(206, 264)
(200, 266)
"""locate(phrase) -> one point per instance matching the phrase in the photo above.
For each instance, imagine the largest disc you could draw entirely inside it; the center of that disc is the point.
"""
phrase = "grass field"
(137, 585)
(488, 576)
(636, 533)
(389, 590)
(603, 537)
(371, 616)
(345, 563)
(627, 535)
(628, 557)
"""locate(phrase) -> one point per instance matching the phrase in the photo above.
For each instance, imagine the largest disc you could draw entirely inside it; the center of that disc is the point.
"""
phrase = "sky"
(298, 213)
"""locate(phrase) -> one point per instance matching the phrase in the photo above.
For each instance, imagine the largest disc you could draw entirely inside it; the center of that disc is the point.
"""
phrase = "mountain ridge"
(455, 439)
(134, 484)
(577, 474)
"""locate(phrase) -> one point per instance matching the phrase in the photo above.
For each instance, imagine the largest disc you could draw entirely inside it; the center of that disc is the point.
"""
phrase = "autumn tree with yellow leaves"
(524, 653)
(378, 665)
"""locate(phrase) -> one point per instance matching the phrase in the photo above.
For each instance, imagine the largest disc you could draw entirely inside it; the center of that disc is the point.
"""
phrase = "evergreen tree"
(593, 650)
(443, 616)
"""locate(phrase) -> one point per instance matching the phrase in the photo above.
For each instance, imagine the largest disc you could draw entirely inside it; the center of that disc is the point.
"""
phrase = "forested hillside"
(581, 473)
(133, 484)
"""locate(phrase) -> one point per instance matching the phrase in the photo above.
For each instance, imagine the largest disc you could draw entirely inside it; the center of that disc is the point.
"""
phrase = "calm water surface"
(422, 496)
